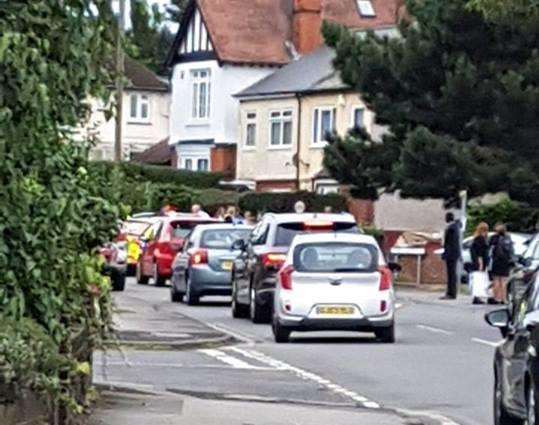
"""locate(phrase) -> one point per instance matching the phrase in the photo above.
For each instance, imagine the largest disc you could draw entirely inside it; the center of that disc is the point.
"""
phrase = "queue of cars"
(299, 272)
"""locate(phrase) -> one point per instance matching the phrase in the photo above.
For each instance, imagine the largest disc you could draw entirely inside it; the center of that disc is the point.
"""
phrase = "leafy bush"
(153, 173)
(212, 199)
(284, 202)
(55, 305)
(517, 217)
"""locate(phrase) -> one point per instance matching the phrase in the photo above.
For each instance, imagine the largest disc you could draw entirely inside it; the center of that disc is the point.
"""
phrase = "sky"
(162, 4)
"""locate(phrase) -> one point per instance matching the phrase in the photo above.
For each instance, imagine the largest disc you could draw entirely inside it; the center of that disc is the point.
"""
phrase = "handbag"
(479, 284)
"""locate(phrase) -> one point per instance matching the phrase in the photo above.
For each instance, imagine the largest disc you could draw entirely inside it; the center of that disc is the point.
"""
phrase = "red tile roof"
(256, 31)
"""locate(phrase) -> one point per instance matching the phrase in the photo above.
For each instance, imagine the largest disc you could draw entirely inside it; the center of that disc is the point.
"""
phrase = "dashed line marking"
(435, 330)
(442, 420)
(229, 360)
(485, 342)
(306, 375)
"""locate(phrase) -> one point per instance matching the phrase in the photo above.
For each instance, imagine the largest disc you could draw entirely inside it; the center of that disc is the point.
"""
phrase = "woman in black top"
(501, 248)
(480, 249)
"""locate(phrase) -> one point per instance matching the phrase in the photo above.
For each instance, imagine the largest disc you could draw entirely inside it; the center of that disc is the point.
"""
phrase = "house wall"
(226, 80)
(265, 163)
(136, 136)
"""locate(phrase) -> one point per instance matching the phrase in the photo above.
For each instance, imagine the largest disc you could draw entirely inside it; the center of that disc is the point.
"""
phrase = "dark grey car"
(203, 266)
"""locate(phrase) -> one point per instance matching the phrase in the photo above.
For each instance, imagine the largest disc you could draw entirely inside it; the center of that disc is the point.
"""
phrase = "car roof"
(294, 217)
(189, 217)
(333, 237)
(224, 226)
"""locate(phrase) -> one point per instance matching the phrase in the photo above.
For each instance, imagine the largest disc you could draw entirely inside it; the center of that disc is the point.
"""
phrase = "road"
(441, 364)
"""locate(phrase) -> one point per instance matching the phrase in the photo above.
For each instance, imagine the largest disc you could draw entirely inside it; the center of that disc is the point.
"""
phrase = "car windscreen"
(222, 238)
(182, 229)
(335, 257)
(287, 231)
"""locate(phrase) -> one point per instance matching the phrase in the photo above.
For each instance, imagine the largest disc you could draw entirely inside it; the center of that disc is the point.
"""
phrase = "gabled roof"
(142, 78)
(158, 154)
(311, 73)
(256, 32)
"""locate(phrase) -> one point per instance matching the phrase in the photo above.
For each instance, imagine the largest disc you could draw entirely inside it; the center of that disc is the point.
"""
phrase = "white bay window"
(201, 94)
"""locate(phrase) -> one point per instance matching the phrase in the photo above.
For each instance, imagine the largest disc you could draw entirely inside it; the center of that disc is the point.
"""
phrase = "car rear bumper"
(366, 324)
(211, 282)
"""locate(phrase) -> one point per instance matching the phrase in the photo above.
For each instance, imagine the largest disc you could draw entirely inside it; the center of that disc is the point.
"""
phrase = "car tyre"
(118, 283)
(501, 416)
(387, 334)
(157, 278)
(175, 296)
(257, 312)
(191, 297)
(141, 279)
(280, 332)
(239, 311)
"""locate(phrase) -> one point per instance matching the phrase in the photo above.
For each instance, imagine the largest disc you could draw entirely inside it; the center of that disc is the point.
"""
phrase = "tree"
(460, 97)
(516, 10)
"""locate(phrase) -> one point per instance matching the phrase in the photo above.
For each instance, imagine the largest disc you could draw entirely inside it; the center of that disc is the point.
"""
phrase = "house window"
(358, 116)
(323, 124)
(201, 94)
(202, 165)
(366, 10)
(250, 130)
(139, 107)
(281, 128)
(188, 164)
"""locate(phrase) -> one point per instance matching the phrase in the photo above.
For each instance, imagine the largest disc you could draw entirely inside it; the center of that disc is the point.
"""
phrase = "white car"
(334, 281)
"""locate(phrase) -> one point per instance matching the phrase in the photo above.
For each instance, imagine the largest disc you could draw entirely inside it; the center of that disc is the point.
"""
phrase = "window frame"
(207, 162)
(286, 115)
(196, 82)
(353, 125)
(141, 100)
(250, 121)
(317, 140)
(366, 13)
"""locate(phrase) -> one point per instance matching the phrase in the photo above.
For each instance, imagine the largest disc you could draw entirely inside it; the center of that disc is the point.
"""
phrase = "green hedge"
(157, 174)
(284, 202)
(517, 217)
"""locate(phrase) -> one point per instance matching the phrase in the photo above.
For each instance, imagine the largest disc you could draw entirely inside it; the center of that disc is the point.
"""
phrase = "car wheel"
(141, 279)
(386, 334)
(239, 311)
(501, 417)
(258, 313)
(280, 332)
(118, 284)
(191, 297)
(157, 278)
(175, 296)
(532, 406)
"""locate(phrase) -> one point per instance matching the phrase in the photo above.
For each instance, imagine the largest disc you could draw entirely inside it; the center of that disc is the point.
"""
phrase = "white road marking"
(485, 342)
(225, 358)
(241, 336)
(442, 420)
(308, 376)
(398, 306)
(435, 330)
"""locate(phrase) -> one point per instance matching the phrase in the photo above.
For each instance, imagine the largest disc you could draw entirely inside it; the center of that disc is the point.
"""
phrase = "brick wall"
(362, 210)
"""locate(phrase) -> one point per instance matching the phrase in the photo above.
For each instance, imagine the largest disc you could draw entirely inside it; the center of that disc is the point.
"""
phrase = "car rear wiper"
(347, 269)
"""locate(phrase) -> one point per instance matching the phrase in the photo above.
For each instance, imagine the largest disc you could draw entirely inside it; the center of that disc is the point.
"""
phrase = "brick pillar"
(307, 25)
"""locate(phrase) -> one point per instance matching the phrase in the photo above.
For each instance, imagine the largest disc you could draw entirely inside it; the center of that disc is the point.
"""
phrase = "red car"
(163, 240)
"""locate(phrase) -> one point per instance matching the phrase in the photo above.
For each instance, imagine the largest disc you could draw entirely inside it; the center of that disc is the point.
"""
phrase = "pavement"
(195, 362)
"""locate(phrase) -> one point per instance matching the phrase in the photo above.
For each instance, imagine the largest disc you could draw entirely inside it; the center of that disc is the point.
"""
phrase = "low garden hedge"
(284, 202)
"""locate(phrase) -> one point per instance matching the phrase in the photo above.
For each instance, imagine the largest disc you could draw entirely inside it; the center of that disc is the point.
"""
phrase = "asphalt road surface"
(441, 365)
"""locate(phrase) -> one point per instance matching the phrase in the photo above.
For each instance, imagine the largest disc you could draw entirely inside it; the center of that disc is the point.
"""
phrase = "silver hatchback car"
(204, 265)
(335, 281)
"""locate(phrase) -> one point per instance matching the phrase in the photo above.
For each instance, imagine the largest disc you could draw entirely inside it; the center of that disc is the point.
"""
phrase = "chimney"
(307, 25)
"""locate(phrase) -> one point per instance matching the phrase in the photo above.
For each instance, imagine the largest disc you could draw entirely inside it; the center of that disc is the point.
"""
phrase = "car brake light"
(318, 226)
(273, 260)
(198, 257)
(285, 277)
(386, 278)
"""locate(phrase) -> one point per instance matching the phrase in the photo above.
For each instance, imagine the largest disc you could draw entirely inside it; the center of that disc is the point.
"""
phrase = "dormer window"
(366, 10)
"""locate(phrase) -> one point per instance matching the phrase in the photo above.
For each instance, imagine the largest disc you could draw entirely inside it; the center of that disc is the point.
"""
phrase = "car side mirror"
(394, 267)
(526, 262)
(238, 245)
(499, 319)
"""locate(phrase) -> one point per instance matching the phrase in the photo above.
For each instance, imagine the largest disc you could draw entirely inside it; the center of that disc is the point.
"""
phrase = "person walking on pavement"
(479, 250)
(452, 254)
(502, 253)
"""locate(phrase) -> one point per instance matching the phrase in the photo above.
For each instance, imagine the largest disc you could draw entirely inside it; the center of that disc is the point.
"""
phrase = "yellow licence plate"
(226, 265)
(335, 310)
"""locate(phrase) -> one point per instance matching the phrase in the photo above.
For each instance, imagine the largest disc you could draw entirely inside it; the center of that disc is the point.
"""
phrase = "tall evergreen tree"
(460, 96)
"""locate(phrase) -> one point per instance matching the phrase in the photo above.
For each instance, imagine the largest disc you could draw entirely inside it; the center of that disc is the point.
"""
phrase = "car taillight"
(273, 261)
(386, 278)
(198, 257)
(285, 277)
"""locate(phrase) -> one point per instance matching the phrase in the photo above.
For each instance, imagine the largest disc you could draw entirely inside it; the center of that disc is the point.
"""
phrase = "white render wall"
(226, 80)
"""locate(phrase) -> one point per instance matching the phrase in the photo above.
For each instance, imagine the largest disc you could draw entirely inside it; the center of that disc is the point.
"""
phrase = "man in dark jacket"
(452, 255)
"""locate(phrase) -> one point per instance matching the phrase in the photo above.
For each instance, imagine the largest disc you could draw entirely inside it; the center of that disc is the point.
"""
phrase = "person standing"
(479, 250)
(452, 254)
(502, 253)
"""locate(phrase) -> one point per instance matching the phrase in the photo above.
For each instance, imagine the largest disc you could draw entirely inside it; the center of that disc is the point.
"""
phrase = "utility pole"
(118, 151)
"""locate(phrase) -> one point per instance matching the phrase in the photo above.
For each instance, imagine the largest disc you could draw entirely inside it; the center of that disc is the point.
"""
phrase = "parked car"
(164, 239)
(516, 363)
(527, 265)
(115, 263)
(254, 273)
(203, 266)
(132, 231)
(334, 282)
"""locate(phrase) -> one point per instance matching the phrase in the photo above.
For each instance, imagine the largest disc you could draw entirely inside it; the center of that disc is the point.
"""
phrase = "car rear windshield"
(222, 238)
(286, 231)
(135, 228)
(182, 229)
(335, 257)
